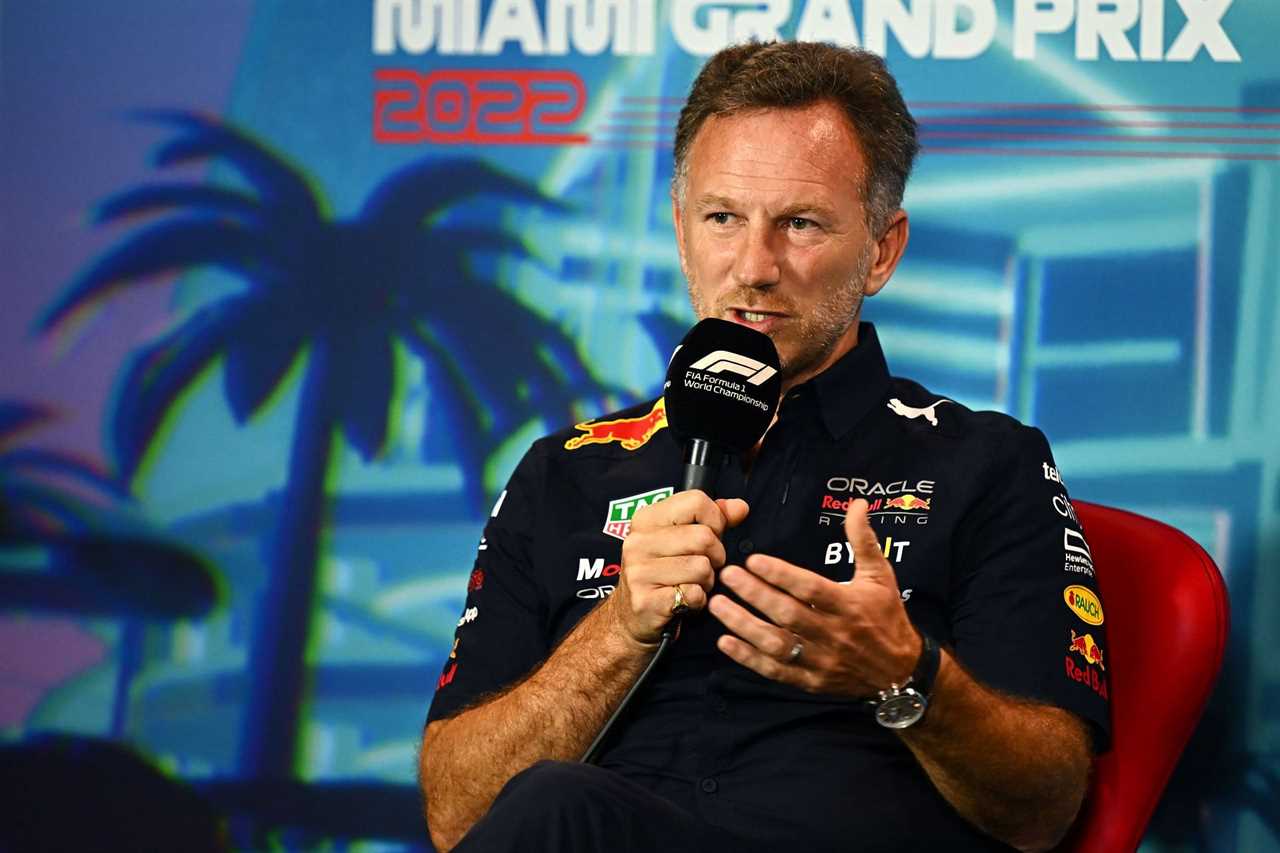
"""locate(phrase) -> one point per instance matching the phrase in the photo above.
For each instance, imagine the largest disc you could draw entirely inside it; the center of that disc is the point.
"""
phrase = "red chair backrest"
(1167, 617)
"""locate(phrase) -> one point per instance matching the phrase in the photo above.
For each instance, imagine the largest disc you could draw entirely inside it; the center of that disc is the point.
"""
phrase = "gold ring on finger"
(680, 605)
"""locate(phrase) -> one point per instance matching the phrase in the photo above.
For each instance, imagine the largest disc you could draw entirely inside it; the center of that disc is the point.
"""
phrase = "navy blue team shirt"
(971, 512)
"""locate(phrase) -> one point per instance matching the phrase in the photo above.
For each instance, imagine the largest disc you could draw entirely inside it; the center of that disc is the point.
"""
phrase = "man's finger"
(734, 510)
(691, 507)
(869, 559)
(674, 541)
(688, 570)
(757, 661)
(694, 596)
(798, 583)
(780, 606)
(770, 639)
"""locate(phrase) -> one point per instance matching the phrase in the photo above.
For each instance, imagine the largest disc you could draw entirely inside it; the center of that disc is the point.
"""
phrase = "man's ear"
(887, 251)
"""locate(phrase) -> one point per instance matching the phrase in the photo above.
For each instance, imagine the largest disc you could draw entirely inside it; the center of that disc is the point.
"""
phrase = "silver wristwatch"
(903, 705)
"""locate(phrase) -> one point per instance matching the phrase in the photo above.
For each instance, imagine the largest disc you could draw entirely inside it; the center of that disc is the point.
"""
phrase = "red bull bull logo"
(631, 433)
(1084, 604)
(1085, 646)
(908, 502)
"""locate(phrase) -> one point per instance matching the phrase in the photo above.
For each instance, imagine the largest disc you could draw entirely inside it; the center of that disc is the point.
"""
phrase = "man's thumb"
(735, 510)
(867, 555)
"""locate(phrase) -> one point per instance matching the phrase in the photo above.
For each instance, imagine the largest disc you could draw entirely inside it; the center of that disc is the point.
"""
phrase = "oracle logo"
(461, 106)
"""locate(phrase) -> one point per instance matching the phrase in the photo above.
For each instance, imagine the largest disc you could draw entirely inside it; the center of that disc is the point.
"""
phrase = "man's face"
(773, 234)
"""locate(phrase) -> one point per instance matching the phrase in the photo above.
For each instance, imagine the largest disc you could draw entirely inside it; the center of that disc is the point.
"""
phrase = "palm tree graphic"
(102, 562)
(339, 293)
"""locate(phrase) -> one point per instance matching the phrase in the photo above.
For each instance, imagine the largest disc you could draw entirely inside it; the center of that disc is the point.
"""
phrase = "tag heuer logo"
(622, 510)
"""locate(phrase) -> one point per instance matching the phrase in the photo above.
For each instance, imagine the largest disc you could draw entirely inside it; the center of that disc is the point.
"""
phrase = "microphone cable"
(695, 476)
(589, 757)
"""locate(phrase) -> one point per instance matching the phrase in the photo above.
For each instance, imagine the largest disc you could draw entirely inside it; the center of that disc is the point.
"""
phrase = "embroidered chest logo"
(621, 510)
(900, 408)
(631, 433)
(892, 503)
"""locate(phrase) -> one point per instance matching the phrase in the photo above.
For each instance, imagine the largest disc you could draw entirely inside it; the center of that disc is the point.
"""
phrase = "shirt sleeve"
(500, 635)
(1027, 618)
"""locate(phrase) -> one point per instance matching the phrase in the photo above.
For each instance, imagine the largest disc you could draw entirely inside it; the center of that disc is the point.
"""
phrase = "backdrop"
(289, 286)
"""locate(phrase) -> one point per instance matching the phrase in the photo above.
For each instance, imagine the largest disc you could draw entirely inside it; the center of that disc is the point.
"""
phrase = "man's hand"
(672, 543)
(1015, 769)
(555, 711)
(854, 638)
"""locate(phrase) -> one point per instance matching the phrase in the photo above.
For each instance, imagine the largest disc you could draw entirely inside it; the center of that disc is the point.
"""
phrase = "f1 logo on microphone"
(723, 361)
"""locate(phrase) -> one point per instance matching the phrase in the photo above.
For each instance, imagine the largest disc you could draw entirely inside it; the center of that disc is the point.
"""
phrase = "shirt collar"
(848, 389)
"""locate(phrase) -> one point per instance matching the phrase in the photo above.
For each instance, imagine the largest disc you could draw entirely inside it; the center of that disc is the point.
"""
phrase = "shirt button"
(720, 705)
(709, 785)
(746, 546)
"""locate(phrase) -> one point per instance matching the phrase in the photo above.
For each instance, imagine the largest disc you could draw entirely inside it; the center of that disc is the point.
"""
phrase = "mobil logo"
(589, 570)
(1084, 604)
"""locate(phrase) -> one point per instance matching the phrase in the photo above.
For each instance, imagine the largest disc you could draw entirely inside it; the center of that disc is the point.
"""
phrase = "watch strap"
(926, 671)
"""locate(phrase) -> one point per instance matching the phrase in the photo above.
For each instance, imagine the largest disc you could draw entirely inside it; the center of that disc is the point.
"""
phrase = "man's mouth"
(761, 321)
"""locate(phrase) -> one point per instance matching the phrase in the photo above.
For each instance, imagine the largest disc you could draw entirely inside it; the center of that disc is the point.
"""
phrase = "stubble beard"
(809, 338)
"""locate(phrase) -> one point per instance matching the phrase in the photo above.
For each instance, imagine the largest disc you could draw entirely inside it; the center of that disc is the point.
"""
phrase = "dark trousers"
(580, 808)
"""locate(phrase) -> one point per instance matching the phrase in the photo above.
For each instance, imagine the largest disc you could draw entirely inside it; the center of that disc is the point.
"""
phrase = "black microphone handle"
(700, 458)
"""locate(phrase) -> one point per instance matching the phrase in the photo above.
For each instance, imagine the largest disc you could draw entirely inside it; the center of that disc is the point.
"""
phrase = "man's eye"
(798, 223)
(721, 218)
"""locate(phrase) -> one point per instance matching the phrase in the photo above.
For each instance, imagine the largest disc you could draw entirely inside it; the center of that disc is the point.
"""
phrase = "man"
(773, 724)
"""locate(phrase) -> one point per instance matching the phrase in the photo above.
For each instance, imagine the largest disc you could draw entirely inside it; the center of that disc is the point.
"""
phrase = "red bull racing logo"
(631, 433)
(890, 504)
(908, 502)
(1085, 646)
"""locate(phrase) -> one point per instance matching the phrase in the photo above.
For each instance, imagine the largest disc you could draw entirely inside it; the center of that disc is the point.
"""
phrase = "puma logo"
(901, 408)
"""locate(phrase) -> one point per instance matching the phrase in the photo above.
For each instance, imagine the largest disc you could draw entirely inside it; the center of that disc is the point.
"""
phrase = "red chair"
(1167, 618)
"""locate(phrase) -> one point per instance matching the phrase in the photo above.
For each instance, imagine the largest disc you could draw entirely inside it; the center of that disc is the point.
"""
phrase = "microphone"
(721, 392)
(722, 389)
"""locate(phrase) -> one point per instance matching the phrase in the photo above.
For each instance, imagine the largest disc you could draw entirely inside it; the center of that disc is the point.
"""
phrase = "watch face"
(900, 711)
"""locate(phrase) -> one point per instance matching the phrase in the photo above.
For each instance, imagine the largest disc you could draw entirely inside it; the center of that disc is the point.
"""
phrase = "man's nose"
(758, 263)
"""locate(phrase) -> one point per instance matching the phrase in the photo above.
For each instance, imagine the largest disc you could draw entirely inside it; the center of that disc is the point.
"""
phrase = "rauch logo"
(1084, 604)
